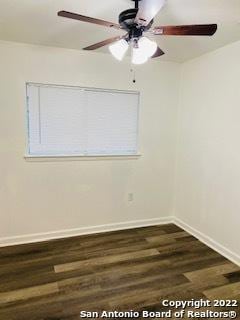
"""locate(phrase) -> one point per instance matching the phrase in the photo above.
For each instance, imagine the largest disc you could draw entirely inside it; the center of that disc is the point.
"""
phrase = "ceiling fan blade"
(80, 17)
(104, 43)
(158, 53)
(186, 30)
(148, 9)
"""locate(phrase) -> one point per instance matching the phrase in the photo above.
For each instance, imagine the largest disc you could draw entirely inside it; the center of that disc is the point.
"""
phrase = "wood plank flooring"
(124, 270)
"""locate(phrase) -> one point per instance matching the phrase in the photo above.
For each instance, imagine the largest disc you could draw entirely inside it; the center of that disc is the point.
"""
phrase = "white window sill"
(46, 158)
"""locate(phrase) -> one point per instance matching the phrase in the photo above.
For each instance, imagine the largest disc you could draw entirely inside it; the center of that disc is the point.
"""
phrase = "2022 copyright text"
(190, 309)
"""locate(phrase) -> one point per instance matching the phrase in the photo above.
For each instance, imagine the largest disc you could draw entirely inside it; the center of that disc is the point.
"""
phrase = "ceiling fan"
(138, 22)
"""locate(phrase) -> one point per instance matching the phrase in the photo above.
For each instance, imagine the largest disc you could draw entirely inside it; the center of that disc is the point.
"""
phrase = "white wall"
(40, 197)
(208, 161)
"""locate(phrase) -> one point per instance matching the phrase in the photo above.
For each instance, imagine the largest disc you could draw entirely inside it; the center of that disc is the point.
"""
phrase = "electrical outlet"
(130, 197)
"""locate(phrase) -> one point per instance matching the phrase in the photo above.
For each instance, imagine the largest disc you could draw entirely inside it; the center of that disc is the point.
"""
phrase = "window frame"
(73, 157)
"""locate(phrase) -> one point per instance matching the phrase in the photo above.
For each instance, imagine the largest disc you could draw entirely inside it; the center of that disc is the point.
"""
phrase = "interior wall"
(41, 197)
(208, 157)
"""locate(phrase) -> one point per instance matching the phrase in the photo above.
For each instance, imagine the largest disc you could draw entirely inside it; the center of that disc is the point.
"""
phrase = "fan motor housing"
(127, 21)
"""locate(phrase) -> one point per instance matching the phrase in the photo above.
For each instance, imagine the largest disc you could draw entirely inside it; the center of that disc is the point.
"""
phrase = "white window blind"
(81, 121)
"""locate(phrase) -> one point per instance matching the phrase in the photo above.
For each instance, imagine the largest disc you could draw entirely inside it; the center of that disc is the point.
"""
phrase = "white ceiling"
(36, 22)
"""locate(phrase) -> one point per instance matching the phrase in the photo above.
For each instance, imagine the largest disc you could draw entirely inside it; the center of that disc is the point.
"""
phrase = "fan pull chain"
(134, 75)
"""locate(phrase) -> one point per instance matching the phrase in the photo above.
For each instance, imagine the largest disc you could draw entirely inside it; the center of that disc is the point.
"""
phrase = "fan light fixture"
(138, 56)
(143, 49)
(147, 47)
(119, 49)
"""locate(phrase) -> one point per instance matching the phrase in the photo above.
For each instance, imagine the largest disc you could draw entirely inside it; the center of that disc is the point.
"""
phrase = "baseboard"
(235, 258)
(39, 237)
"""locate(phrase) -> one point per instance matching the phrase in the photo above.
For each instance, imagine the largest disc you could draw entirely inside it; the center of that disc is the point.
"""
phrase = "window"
(70, 121)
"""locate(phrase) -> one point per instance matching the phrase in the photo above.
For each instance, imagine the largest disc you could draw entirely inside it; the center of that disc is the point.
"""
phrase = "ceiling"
(36, 22)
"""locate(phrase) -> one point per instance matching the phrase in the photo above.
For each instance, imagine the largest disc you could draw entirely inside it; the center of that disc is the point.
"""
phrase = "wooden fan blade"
(80, 17)
(158, 53)
(186, 30)
(104, 43)
(148, 9)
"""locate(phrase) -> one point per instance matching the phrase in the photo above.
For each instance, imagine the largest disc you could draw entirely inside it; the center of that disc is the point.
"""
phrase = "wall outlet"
(130, 197)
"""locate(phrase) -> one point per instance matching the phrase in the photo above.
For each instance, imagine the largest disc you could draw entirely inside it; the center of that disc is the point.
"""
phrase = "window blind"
(81, 121)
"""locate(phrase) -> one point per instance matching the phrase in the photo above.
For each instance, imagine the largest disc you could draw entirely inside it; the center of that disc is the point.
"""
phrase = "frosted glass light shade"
(138, 56)
(119, 49)
(147, 46)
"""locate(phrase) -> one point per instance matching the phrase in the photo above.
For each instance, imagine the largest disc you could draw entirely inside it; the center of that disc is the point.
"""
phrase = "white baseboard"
(39, 237)
(235, 258)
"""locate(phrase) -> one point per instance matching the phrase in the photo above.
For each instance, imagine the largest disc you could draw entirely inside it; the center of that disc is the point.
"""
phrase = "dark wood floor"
(123, 270)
